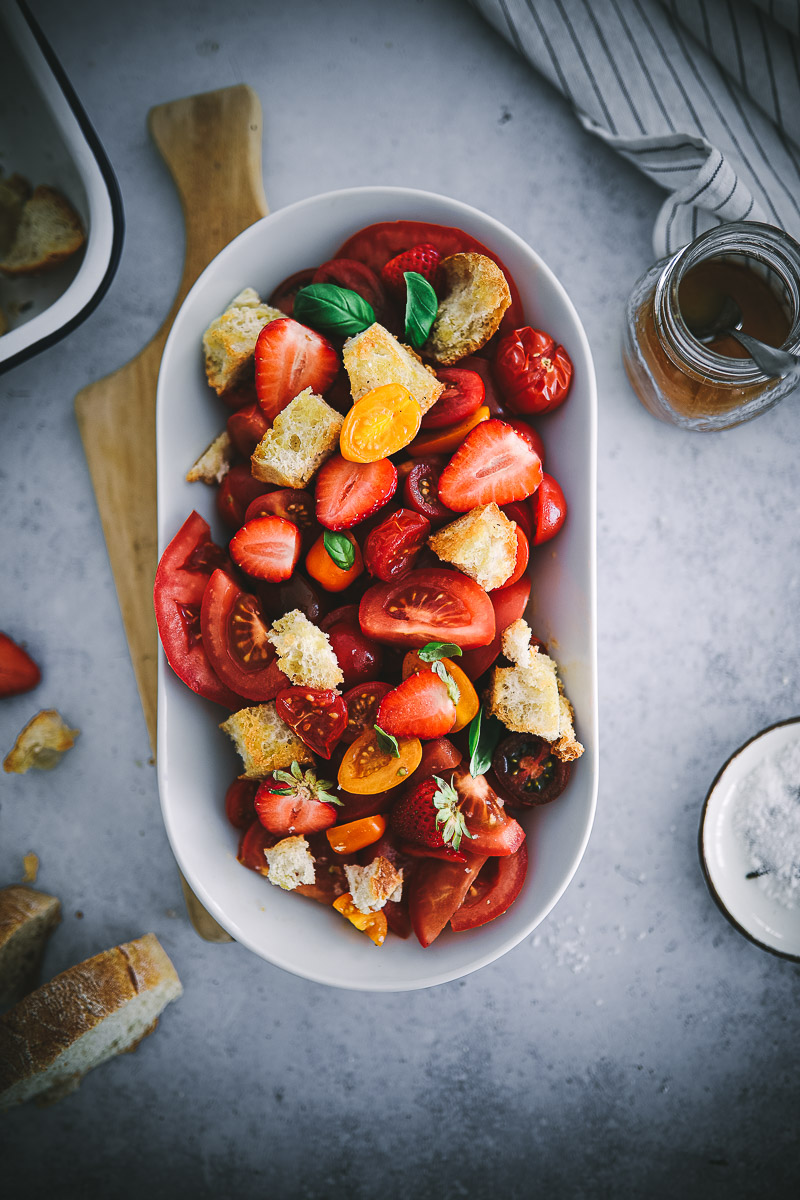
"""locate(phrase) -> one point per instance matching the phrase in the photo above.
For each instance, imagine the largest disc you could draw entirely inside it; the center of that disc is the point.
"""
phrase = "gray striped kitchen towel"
(701, 95)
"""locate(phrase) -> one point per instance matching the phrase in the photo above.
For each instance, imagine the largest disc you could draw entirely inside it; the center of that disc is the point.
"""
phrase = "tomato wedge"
(494, 890)
(362, 703)
(509, 603)
(493, 830)
(379, 424)
(317, 715)
(549, 509)
(436, 890)
(426, 606)
(235, 640)
(183, 572)
(367, 770)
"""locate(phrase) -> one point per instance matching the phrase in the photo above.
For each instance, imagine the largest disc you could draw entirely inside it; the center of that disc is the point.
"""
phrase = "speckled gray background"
(636, 1045)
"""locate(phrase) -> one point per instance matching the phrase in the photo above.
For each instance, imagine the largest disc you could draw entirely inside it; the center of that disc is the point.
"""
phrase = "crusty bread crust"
(264, 741)
(40, 743)
(214, 463)
(475, 295)
(27, 918)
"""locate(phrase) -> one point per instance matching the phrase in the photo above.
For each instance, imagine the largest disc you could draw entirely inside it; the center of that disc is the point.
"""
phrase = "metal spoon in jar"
(727, 323)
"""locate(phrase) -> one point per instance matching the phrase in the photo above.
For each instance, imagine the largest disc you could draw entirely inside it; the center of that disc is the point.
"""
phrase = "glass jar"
(676, 377)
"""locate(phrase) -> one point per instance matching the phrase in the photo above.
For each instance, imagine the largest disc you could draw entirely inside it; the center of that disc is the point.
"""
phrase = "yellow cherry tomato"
(367, 770)
(374, 925)
(321, 566)
(468, 702)
(380, 424)
(441, 441)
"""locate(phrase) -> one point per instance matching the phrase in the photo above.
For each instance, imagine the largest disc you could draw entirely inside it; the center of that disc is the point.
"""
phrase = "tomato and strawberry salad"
(418, 774)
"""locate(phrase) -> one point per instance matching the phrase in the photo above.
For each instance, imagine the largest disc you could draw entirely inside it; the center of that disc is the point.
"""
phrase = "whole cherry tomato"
(532, 371)
(549, 510)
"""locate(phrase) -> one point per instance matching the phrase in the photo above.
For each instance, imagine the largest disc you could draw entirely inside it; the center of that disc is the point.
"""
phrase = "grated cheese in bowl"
(766, 817)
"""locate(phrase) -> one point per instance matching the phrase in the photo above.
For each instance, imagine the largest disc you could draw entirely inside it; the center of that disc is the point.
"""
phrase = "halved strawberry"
(349, 492)
(494, 462)
(18, 671)
(430, 815)
(418, 707)
(289, 358)
(267, 548)
(289, 802)
(424, 259)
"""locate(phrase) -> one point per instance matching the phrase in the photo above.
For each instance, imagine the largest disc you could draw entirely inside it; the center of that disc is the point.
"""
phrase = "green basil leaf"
(340, 549)
(436, 650)
(387, 743)
(332, 309)
(484, 734)
(421, 308)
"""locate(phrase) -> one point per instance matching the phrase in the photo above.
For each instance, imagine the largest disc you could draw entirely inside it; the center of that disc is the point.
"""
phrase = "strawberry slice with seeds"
(18, 671)
(420, 707)
(349, 492)
(494, 462)
(289, 358)
(267, 548)
(424, 259)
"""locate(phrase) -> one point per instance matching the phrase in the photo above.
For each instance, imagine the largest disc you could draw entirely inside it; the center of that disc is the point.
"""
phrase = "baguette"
(27, 918)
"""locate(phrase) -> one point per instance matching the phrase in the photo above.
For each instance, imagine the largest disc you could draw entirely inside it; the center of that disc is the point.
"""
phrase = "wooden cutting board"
(212, 146)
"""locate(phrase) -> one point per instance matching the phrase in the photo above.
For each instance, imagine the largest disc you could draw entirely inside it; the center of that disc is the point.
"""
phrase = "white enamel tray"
(196, 762)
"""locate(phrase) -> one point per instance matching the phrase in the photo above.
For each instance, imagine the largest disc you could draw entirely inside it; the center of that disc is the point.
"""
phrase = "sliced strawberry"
(18, 671)
(493, 463)
(286, 804)
(289, 358)
(349, 492)
(424, 259)
(418, 707)
(267, 548)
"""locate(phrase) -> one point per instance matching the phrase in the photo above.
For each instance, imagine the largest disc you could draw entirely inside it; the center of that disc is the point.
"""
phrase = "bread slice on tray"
(49, 231)
(27, 918)
(86, 1015)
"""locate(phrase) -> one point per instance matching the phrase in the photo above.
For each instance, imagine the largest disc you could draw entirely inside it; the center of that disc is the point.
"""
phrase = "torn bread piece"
(305, 653)
(27, 918)
(230, 340)
(374, 357)
(482, 544)
(49, 231)
(566, 746)
(301, 439)
(14, 191)
(474, 296)
(214, 463)
(41, 743)
(264, 741)
(373, 885)
(291, 863)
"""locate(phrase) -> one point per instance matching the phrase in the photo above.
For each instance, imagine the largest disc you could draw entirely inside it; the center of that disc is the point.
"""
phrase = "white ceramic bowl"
(724, 858)
(196, 761)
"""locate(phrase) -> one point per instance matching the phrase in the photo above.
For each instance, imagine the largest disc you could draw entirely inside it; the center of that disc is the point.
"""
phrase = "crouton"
(49, 232)
(214, 463)
(304, 651)
(291, 863)
(265, 742)
(375, 357)
(566, 746)
(475, 296)
(41, 743)
(230, 340)
(525, 697)
(372, 886)
(482, 544)
(302, 437)
(14, 191)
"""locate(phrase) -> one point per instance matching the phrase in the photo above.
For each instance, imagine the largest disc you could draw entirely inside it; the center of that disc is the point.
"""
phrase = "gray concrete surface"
(636, 1045)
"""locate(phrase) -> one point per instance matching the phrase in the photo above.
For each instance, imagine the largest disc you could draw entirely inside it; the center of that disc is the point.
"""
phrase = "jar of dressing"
(714, 386)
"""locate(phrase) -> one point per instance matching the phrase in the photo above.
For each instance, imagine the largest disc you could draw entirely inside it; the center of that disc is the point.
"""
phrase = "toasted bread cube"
(373, 885)
(482, 544)
(41, 743)
(305, 653)
(375, 357)
(265, 742)
(214, 463)
(475, 295)
(290, 863)
(49, 232)
(230, 340)
(525, 697)
(302, 437)
(566, 746)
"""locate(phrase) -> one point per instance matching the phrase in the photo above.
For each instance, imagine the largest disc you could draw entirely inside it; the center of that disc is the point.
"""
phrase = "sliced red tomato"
(362, 703)
(183, 572)
(235, 640)
(393, 546)
(376, 244)
(349, 492)
(252, 844)
(464, 392)
(493, 463)
(293, 504)
(418, 707)
(284, 812)
(246, 427)
(509, 604)
(239, 808)
(317, 715)
(421, 492)
(284, 294)
(426, 606)
(493, 830)
(267, 548)
(289, 358)
(236, 492)
(436, 890)
(495, 889)
(521, 561)
(549, 509)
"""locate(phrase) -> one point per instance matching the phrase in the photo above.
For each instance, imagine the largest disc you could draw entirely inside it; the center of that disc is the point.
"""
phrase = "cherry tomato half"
(392, 546)
(367, 770)
(464, 392)
(421, 493)
(362, 703)
(549, 509)
(293, 504)
(379, 424)
(246, 427)
(532, 371)
(359, 657)
(527, 772)
(521, 561)
(317, 715)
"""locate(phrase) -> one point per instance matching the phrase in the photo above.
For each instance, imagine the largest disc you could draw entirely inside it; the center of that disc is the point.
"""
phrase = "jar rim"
(765, 243)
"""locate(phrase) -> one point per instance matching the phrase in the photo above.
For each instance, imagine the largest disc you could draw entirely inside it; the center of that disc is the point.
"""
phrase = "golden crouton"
(41, 743)
(230, 340)
(265, 742)
(302, 437)
(375, 357)
(525, 697)
(214, 463)
(482, 544)
(305, 653)
(566, 746)
(373, 885)
(475, 296)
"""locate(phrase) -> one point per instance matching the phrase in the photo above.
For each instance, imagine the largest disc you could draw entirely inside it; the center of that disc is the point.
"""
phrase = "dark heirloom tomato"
(527, 771)
(493, 892)
(549, 509)
(534, 373)
(493, 831)
(464, 392)
(421, 492)
(317, 715)
(235, 639)
(293, 504)
(436, 890)
(285, 292)
(239, 808)
(392, 547)
(426, 606)
(237, 490)
(181, 578)
(247, 427)
(362, 703)
(509, 603)
(297, 592)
